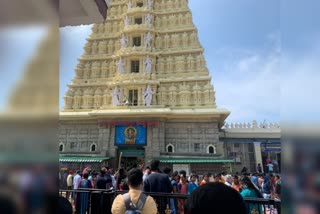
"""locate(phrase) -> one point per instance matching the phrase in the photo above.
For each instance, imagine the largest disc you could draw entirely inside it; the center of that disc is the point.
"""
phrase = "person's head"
(135, 177)
(167, 171)
(206, 177)
(177, 178)
(107, 169)
(183, 172)
(85, 175)
(213, 197)
(103, 170)
(246, 183)
(229, 178)
(183, 178)
(154, 166)
(174, 174)
(277, 178)
(259, 164)
(70, 172)
(216, 177)
(110, 170)
(236, 179)
(223, 173)
(147, 170)
(193, 178)
(78, 172)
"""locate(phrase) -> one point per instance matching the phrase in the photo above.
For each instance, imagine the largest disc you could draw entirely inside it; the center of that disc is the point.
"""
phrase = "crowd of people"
(151, 179)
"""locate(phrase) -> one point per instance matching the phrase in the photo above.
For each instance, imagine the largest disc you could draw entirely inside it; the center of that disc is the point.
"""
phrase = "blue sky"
(262, 56)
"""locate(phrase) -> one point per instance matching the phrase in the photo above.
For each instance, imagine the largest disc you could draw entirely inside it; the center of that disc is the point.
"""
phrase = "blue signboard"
(131, 135)
(270, 147)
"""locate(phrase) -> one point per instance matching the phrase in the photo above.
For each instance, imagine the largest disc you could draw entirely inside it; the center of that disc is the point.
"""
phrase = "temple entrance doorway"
(131, 157)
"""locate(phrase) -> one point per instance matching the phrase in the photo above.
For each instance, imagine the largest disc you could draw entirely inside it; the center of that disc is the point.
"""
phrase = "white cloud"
(249, 86)
(300, 86)
(264, 85)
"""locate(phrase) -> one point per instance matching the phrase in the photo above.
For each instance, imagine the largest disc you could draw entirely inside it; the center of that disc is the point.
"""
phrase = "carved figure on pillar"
(126, 21)
(148, 19)
(147, 40)
(116, 96)
(166, 41)
(175, 41)
(193, 38)
(158, 42)
(149, 4)
(120, 66)
(148, 96)
(124, 41)
(170, 5)
(189, 62)
(169, 64)
(129, 6)
(180, 18)
(185, 39)
(147, 65)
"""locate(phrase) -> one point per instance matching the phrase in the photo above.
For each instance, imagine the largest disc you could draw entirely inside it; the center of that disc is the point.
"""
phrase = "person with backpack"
(135, 201)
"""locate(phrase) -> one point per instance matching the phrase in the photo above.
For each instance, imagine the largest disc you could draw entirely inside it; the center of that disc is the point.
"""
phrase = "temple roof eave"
(218, 114)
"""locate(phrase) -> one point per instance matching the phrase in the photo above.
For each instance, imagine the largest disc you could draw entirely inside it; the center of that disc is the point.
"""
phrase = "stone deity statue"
(116, 96)
(148, 96)
(126, 21)
(147, 40)
(129, 6)
(120, 66)
(124, 41)
(149, 4)
(147, 65)
(148, 19)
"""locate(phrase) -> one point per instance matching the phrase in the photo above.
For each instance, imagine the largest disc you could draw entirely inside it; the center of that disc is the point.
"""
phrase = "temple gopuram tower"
(142, 89)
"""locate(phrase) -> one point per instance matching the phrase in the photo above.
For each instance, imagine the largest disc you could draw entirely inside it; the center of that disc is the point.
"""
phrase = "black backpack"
(134, 208)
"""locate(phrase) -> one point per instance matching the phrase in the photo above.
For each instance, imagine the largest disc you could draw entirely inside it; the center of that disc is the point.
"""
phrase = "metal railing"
(96, 201)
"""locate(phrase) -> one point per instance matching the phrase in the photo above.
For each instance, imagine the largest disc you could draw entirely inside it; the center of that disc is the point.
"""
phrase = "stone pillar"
(257, 152)
(140, 96)
(103, 140)
(154, 96)
(150, 146)
(112, 148)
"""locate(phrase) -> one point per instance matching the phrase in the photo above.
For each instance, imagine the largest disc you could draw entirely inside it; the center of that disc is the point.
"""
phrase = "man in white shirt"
(270, 167)
(76, 181)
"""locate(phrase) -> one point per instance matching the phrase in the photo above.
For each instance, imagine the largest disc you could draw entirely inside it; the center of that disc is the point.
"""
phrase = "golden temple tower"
(143, 70)
(146, 55)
